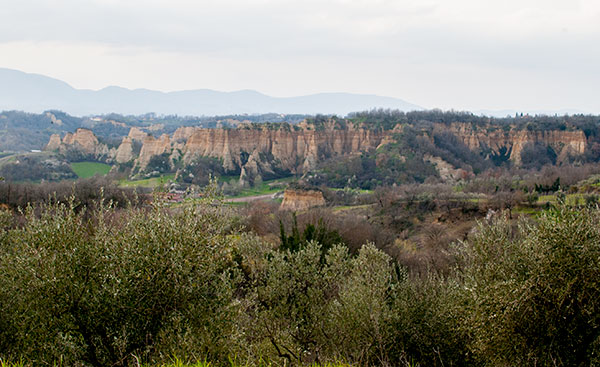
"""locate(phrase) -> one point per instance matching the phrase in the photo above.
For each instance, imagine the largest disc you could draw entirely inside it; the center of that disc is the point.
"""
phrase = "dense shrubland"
(36, 168)
(84, 191)
(386, 119)
(102, 286)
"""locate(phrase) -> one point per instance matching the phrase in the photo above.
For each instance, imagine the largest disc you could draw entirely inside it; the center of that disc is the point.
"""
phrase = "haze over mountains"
(37, 93)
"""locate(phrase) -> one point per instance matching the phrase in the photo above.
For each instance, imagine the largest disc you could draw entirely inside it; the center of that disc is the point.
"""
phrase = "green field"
(266, 187)
(90, 169)
(148, 182)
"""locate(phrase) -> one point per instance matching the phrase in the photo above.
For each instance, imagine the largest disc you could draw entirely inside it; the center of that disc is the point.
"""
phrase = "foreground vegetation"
(95, 285)
(178, 363)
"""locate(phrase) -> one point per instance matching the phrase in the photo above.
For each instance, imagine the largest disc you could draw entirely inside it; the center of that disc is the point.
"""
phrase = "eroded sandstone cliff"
(54, 143)
(511, 141)
(251, 150)
(125, 151)
(137, 134)
(152, 147)
(82, 140)
(257, 151)
(297, 200)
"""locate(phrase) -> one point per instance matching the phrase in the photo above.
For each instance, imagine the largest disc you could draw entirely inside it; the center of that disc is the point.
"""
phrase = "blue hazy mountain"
(37, 93)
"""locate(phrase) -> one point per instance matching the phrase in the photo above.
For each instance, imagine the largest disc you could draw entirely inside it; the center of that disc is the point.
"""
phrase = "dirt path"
(247, 199)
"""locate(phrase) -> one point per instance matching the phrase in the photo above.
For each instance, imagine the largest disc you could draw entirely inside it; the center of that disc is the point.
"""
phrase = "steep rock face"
(257, 152)
(152, 147)
(82, 140)
(294, 149)
(252, 150)
(183, 133)
(137, 134)
(54, 143)
(125, 151)
(297, 200)
(512, 141)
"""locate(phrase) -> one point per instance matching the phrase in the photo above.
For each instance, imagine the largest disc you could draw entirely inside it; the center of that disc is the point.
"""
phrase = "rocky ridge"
(296, 149)
(253, 151)
(84, 141)
(495, 139)
(124, 153)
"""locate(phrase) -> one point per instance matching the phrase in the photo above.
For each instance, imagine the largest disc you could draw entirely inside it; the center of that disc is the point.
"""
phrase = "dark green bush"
(84, 191)
(106, 287)
(99, 288)
(535, 289)
(307, 310)
(429, 324)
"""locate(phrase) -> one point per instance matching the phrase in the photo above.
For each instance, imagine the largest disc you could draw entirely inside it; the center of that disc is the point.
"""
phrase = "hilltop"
(363, 151)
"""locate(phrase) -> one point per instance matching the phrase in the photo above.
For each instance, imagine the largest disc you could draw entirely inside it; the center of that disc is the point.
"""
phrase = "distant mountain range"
(37, 93)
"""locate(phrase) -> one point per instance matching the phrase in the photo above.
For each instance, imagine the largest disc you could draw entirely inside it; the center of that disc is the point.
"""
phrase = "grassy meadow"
(148, 182)
(90, 169)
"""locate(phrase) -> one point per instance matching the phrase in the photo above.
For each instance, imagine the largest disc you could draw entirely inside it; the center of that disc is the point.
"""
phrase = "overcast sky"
(461, 54)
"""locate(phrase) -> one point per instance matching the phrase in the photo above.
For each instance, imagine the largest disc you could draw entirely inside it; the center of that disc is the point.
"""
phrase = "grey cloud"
(265, 29)
(420, 39)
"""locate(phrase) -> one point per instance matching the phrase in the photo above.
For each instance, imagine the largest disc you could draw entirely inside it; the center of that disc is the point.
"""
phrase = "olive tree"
(96, 287)
(535, 289)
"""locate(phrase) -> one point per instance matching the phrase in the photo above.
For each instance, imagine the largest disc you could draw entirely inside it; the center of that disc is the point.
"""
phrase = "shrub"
(84, 191)
(428, 325)
(291, 296)
(307, 310)
(97, 288)
(535, 289)
(360, 319)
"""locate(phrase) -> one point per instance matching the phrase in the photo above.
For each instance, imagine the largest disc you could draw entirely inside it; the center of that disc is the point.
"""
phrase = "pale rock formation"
(564, 142)
(53, 118)
(152, 147)
(297, 149)
(125, 151)
(54, 143)
(258, 150)
(254, 169)
(183, 133)
(137, 134)
(297, 200)
(68, 139)
(84, 139)
(447, 171)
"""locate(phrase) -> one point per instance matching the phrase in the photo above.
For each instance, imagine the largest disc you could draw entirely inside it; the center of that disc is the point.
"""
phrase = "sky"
(448, 54)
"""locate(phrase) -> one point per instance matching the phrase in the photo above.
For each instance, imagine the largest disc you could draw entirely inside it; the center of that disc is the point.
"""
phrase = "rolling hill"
(37, 93)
